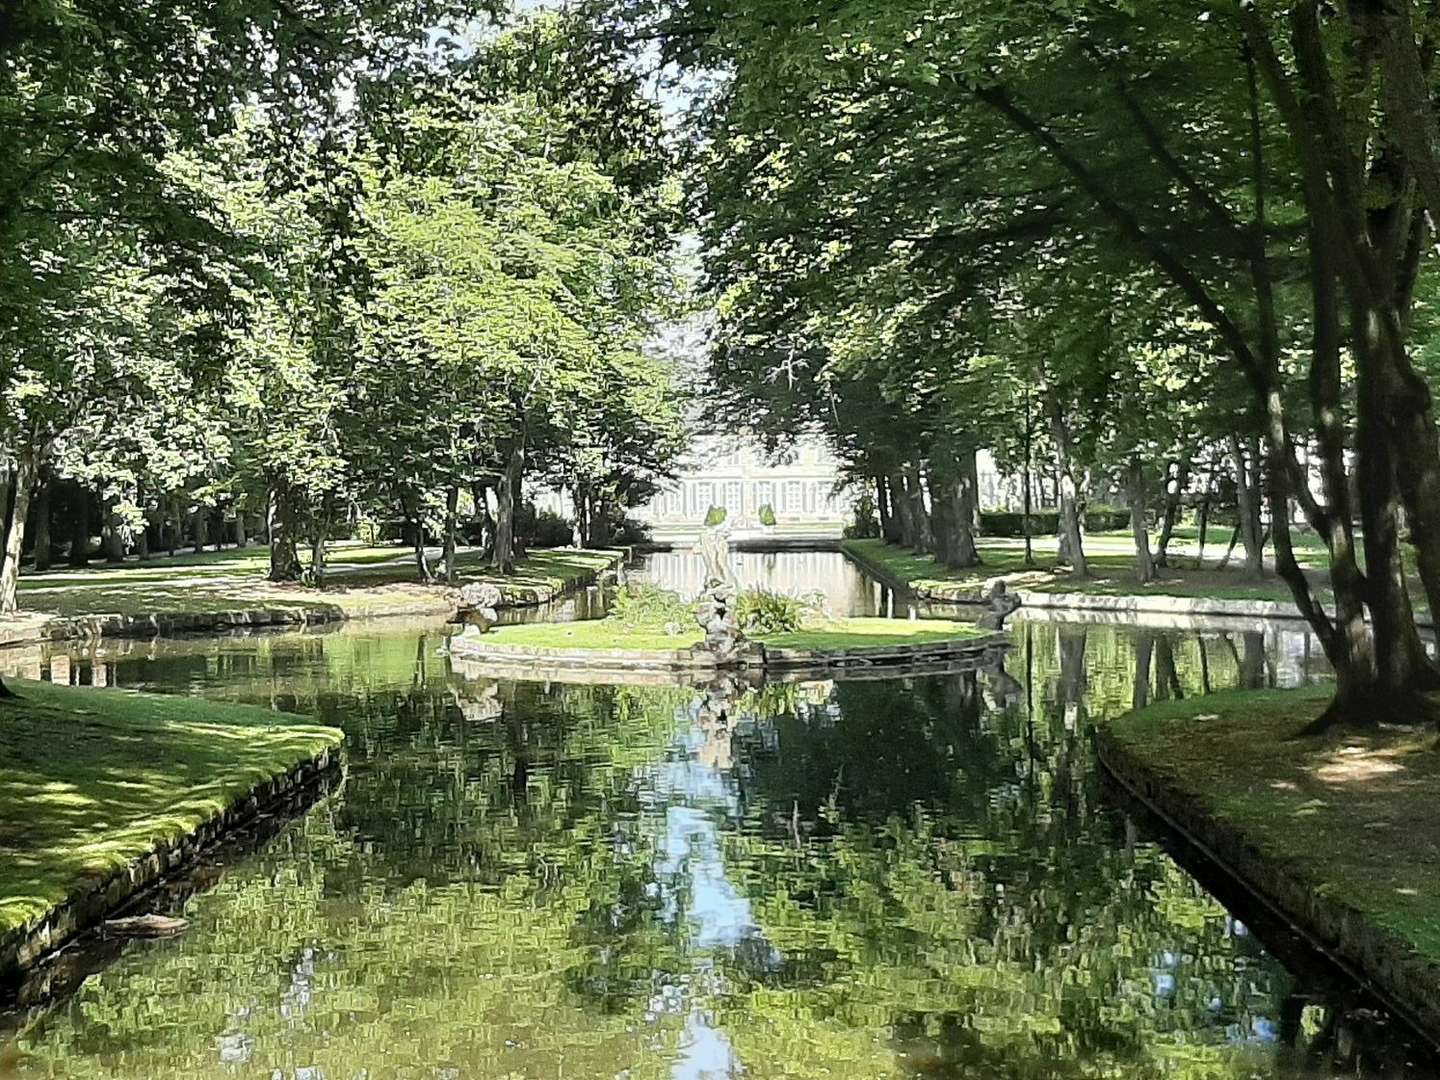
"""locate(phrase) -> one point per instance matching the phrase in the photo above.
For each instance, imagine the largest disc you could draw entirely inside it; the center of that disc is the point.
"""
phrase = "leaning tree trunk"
(1139, 528)
(1174, 494)
(507, 493)
(27, 463)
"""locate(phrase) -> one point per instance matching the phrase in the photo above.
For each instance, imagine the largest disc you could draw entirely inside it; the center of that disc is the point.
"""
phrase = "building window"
(765, 494)
(734, 497)
(792, 497)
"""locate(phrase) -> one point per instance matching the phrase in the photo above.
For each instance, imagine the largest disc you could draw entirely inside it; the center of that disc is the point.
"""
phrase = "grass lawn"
(1354, 815)
(1112, 573)
(838, 634)
(92, 779)
(362, 581)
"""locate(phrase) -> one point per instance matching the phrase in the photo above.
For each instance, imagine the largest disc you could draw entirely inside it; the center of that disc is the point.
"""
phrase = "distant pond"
(918, 877)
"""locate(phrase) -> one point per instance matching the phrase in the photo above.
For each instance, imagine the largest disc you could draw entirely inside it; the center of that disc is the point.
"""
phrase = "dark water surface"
(904, 878)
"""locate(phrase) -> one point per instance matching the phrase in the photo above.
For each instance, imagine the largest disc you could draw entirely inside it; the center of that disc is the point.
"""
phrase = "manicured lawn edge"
(178, 834)
(1302, 887)
(324, 608)
(975, 592)
(854, 642)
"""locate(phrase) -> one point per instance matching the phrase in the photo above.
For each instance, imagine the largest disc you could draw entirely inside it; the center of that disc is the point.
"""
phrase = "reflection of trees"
(956, 886)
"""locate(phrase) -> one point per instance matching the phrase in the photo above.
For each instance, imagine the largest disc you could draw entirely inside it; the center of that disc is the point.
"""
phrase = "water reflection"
(910, 877)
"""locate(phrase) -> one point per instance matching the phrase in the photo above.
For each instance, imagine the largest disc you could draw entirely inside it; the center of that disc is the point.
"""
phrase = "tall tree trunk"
(452, 506)
(284, 559)
(80, 527)
(1139, 527)
(200, 528)
(507, 494)
(915, 496)
(902, 510)
(967, 553)
(112, 538)
(242, 538)
(1071, 534)
(27, 467)
(479, 492)
(1247, 500)
(889, 531)
(40, 513)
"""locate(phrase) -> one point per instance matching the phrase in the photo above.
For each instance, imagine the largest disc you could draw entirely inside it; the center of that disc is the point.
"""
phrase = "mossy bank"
(103, 792)
(1338, 833)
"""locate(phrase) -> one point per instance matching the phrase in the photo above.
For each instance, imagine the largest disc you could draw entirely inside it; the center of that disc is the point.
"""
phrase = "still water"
(904, 878)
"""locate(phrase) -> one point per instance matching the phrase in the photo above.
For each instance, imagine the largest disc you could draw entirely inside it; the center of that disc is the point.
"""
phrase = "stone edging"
(89, 904)
(1127, 604)
(35, 629)
(1383, 962)
(755, 657)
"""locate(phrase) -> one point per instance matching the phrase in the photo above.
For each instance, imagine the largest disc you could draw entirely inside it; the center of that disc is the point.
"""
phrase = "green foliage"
(766, 514)
(1011, 523)
(865, 524)
(764, 611)
(716, 515)
(643, 605)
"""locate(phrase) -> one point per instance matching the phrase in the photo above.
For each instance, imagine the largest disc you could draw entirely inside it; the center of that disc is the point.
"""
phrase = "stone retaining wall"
(756, 656)
(91, 903)
(1378, 959)
(29, 629)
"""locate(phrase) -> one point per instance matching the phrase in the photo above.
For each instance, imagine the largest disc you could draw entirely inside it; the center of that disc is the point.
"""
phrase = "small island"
(727, 628)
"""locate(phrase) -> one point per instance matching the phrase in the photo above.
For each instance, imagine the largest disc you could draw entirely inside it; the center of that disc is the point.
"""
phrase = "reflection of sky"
(697, 797)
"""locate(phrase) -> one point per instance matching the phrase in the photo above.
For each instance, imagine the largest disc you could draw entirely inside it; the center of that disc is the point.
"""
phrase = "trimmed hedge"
(1047, 522)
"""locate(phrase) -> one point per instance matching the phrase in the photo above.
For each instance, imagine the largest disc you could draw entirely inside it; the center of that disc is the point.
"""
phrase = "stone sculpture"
(1002, 604)
(716, 610)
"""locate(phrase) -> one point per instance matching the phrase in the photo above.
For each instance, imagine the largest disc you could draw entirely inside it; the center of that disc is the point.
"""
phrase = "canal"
(912, 877)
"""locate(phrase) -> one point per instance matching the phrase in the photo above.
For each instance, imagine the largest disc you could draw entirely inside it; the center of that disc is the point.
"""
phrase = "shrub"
(763, 611)
(550, 530)
(1047, 522)
(643, 605)
(628, 532)
(716, 515)
(767, 515)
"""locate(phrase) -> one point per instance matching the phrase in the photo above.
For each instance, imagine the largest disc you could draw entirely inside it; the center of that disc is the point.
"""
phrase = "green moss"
(1353, 814)
(93, 779)
(873, 633)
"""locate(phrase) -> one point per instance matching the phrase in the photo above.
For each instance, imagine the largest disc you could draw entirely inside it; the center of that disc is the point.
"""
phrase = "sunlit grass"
(93, 779)
(362, 581)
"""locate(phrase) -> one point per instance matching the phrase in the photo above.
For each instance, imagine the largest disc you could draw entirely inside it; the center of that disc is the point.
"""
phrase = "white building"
(734, 473)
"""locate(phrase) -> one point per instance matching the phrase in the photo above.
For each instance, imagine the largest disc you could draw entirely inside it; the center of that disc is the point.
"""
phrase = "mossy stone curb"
(756, 656)
(89, 904)
(1377, 958)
